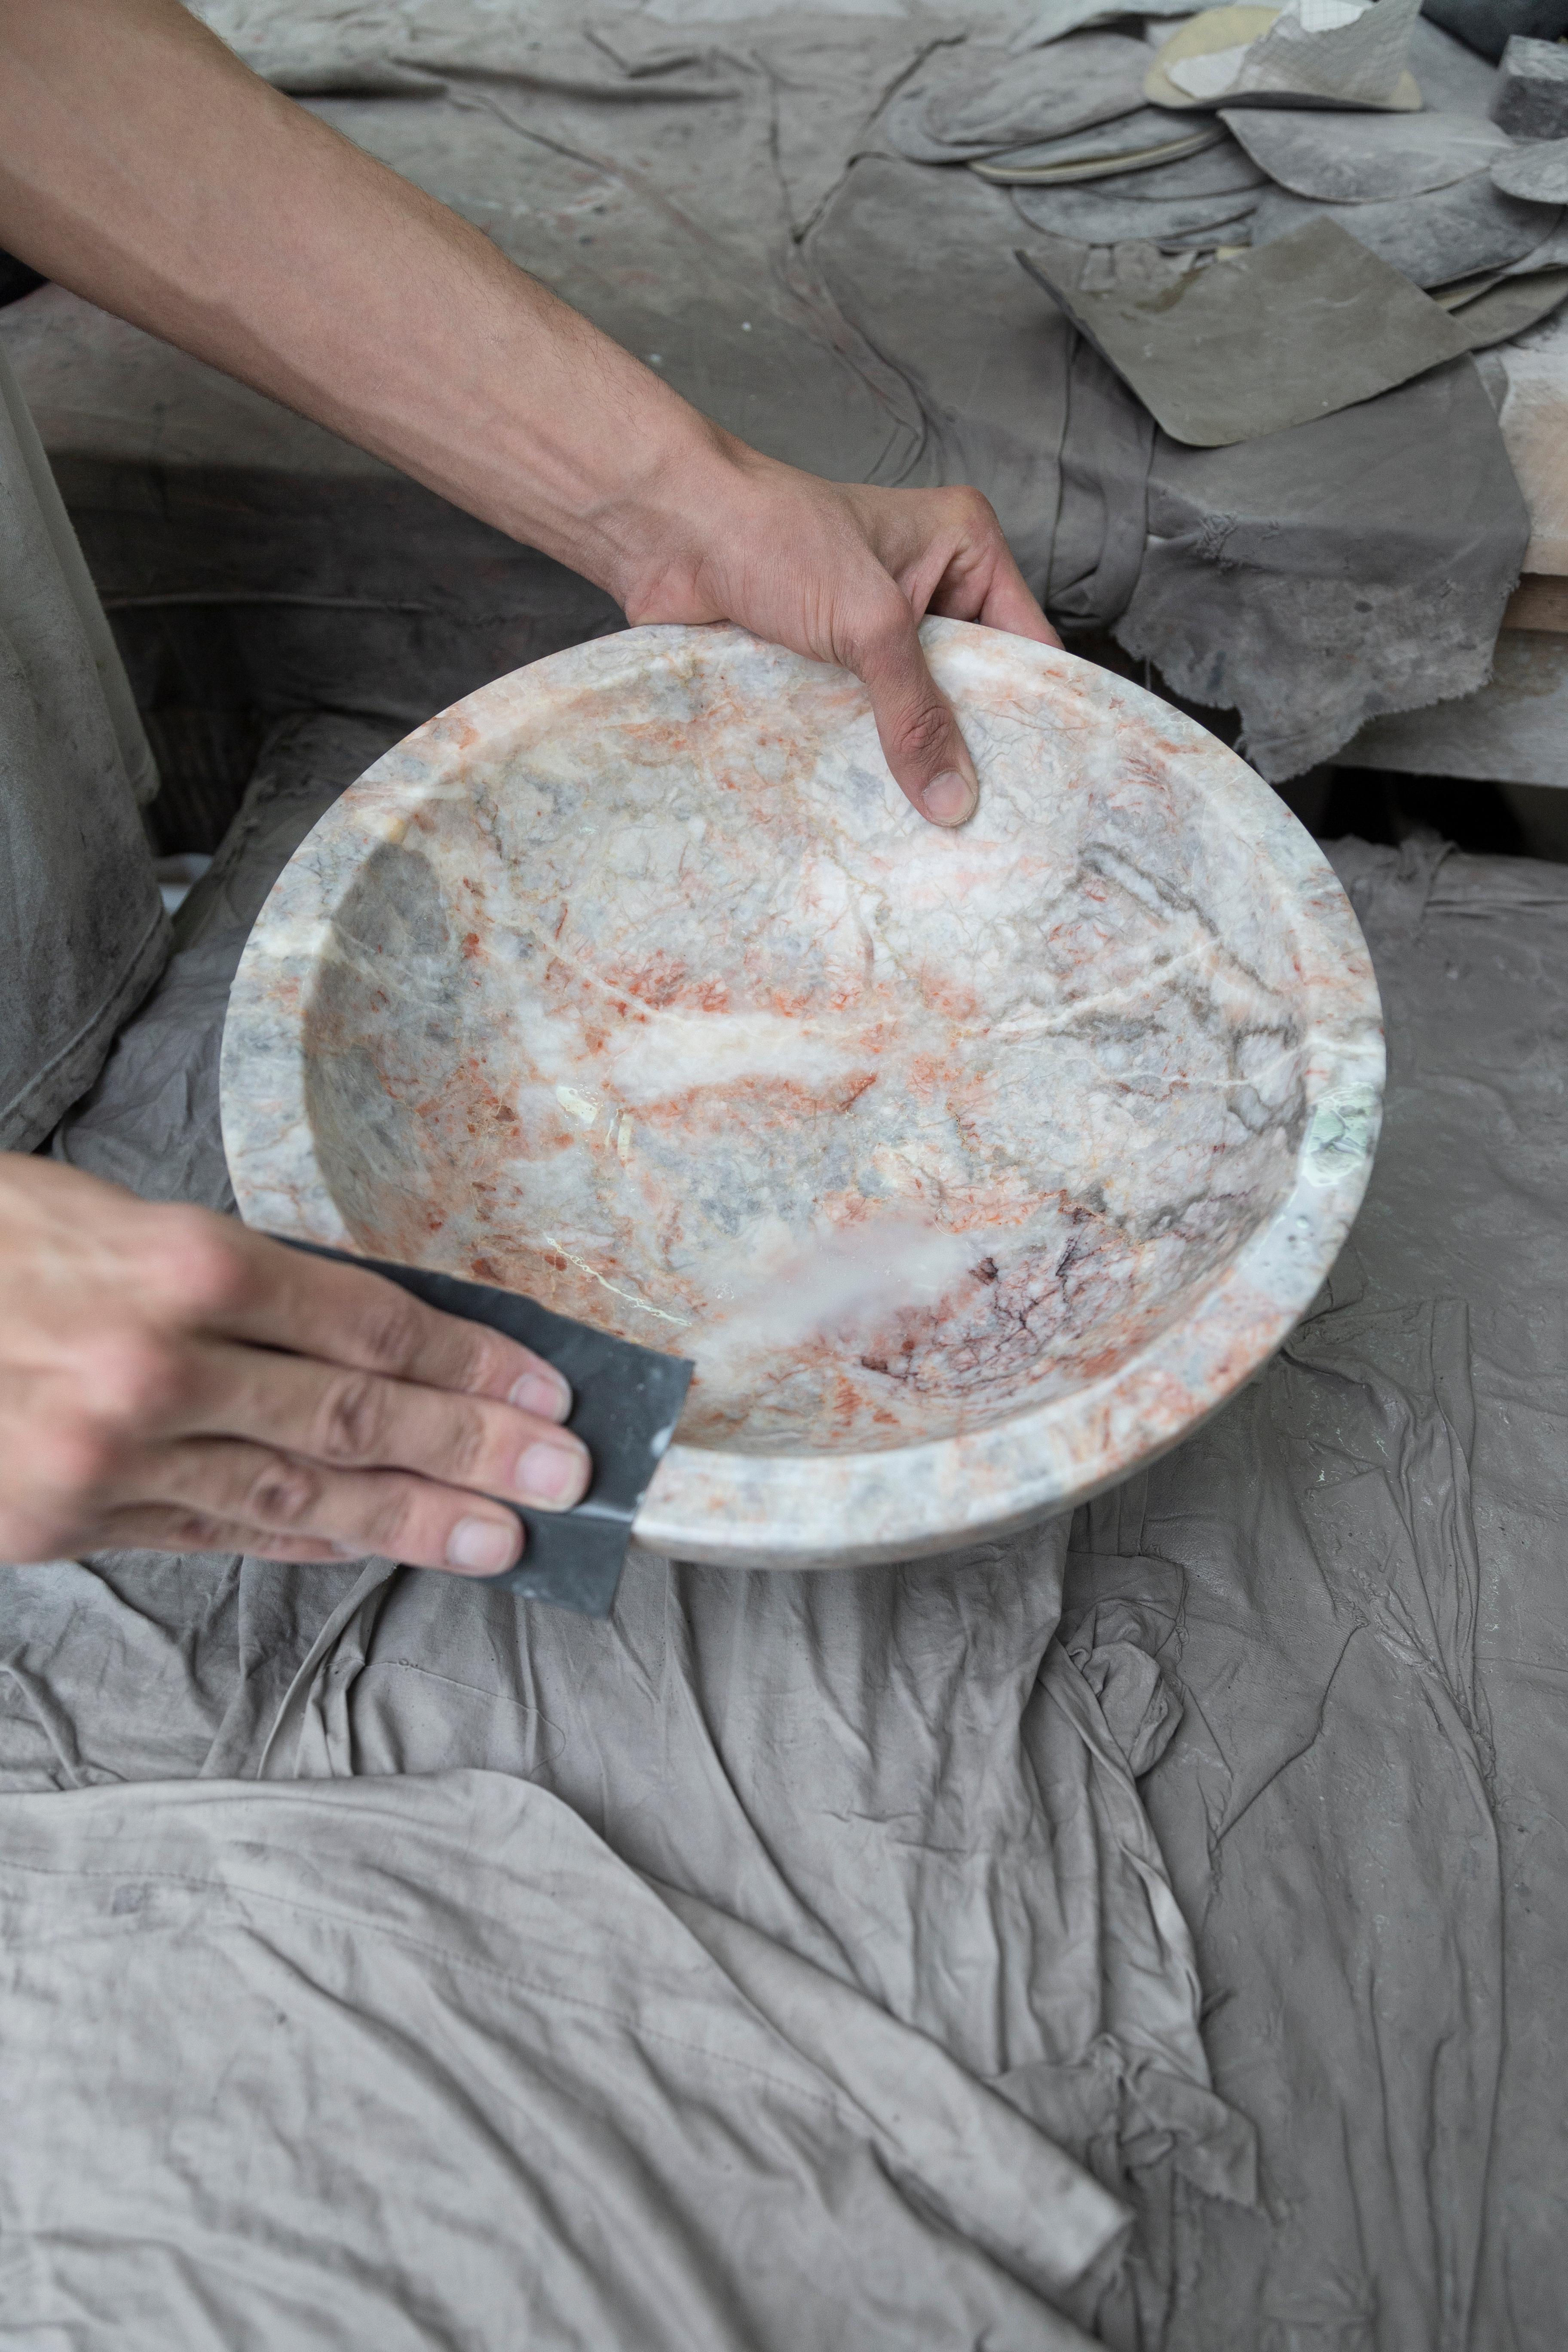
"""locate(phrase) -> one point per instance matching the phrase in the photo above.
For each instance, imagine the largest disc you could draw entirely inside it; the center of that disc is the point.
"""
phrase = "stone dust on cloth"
(801, 1960)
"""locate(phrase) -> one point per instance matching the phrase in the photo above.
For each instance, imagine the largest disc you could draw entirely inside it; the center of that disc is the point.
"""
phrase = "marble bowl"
(973, 1169)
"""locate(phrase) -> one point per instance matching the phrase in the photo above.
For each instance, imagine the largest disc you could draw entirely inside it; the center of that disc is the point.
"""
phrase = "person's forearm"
(143, 167)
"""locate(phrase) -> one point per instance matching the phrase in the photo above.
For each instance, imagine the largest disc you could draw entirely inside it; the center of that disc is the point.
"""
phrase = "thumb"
(918, 731)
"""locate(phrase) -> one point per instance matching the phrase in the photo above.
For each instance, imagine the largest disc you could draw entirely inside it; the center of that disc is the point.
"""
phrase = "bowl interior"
(663, 1006)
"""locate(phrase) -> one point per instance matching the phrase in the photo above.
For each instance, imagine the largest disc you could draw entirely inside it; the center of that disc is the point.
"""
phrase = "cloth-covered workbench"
(723, 196)
(825, 1960)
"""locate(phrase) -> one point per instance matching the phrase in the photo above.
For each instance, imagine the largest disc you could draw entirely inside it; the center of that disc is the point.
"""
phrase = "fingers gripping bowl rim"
(975, 1168)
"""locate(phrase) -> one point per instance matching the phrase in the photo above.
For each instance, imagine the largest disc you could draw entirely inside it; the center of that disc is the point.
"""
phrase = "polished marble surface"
(972, 1168)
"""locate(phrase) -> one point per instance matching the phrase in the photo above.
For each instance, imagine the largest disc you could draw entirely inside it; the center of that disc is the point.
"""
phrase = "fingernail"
(544, 1393)
(552, 1473)
(484, 1547)
(948, 798)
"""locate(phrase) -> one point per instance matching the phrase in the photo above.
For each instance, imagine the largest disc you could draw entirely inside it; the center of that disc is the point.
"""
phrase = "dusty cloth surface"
(1320, 1649)
(80, 909)
(721, 196)
(415, 2063)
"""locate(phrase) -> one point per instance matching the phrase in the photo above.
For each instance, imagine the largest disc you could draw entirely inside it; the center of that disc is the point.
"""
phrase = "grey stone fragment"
(1507, 309)
(1552, 253)
(1449, 232)
(1538, 173)
(1364, 158)
(1530, 101)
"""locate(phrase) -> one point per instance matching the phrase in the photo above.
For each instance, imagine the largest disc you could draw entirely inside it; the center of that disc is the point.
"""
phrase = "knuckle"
(198, 1531)
(202, 1266)
(28, 1536)
(387, 1519)
(465, 1445)
(351, 1425)
(78, 1457)
(923, 731)
(134, 1379)
(282, 1493)
(390, 1327)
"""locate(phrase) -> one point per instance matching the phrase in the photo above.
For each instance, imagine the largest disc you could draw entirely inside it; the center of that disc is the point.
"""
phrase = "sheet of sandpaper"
(1363, 62)
(1361, 157)
(1225, 56)
(973, 101)
(626, 1401)
(1251, 345)
(1448, 233)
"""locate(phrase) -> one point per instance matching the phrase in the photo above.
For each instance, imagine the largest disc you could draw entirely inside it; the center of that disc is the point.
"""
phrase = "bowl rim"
(790, 1510)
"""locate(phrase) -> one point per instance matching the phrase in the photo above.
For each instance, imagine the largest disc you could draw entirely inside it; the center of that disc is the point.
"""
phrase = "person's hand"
(845, 574)
(171, 1382)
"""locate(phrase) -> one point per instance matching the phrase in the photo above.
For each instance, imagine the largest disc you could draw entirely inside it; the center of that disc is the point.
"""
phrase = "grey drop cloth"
(971, 100)
(863, 317)
(805, 1932)
(79, 903)
(1355, 1580)
(1489, 26)
(421, 2062)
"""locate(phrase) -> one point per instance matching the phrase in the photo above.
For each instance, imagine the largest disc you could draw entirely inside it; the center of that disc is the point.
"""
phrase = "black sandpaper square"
(626, 1401)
